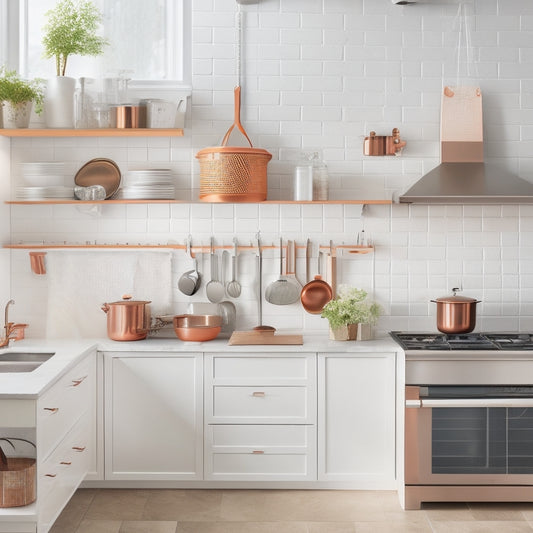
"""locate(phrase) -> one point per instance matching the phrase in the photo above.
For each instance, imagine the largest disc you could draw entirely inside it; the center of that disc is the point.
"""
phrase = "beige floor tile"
(117, 504)
(74, 512)
(331, 527)
(241, 527)
(447, 511)
(393, 527)
(306, 506)
(99, 526)
(183, 505)
(497, 511)
(481, 527)
(148, 527)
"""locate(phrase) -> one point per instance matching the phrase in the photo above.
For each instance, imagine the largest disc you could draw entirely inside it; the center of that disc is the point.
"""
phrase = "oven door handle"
(469, 402)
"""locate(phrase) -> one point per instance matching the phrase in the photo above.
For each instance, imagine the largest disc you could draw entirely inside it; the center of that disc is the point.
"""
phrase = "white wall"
(320, 74)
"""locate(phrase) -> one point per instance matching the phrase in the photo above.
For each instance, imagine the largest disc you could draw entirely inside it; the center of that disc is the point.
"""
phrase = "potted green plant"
(349, 309)
(70, 30)
(17, 97)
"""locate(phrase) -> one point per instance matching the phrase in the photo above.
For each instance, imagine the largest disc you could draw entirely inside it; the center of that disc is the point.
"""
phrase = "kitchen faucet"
(8, 326)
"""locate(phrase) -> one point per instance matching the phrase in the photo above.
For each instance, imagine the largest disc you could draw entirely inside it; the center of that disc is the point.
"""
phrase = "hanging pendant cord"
(238, 44)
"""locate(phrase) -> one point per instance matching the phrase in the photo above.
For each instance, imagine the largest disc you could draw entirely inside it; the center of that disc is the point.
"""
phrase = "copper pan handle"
(237, 119)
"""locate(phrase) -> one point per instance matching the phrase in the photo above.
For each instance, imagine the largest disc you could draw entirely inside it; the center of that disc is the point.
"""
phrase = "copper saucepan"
(127, 319)
(316, 294)
(456, 314)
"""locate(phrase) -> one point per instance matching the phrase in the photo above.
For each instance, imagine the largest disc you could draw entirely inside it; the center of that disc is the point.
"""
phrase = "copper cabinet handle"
(65, 463)
(51, 409)
(78, 448)
(258, 452)
(258, 394)
(50, 475)
(76, 382)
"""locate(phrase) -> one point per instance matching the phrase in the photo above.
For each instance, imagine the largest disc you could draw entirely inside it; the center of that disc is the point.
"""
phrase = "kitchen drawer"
(60, 407)
(260, 452)
(271, 369)
(63, 471)
(289, 405)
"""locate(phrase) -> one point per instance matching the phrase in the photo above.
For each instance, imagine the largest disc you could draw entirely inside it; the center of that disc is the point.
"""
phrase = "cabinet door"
(153, 416)
(356, 419)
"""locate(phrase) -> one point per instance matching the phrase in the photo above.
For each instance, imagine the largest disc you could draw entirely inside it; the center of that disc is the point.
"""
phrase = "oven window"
(482, 440)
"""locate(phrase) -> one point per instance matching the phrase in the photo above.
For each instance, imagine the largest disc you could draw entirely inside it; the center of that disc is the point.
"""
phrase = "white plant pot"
(16, 115)
(59, 102)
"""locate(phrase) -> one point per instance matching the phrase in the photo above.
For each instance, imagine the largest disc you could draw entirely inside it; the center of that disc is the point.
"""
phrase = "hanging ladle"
(214, 290)
(190, 281)
(317, 293)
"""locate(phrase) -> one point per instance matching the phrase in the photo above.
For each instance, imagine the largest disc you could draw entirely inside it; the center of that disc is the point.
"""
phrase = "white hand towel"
(80, 282)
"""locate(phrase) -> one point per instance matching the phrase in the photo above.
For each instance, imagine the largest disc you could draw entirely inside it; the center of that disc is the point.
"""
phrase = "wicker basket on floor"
(17, 483)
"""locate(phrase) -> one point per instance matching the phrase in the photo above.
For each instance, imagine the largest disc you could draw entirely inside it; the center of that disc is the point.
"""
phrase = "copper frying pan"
(317, 293)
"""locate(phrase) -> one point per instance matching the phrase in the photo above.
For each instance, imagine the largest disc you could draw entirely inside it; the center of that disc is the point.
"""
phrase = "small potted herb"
(17, 96)
(349, 309)
(70, 30)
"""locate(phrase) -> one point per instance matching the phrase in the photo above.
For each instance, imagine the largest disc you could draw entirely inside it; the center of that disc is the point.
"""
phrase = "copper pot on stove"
(456, 314)
(127, 319)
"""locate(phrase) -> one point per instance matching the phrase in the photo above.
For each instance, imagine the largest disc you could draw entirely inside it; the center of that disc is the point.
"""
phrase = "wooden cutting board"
(262, 337)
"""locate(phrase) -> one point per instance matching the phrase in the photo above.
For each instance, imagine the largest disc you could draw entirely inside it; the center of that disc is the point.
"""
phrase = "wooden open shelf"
(102, 202)
(100, 132)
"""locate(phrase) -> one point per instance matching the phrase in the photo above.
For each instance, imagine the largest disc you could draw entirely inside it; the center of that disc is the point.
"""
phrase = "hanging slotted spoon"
(282, 291)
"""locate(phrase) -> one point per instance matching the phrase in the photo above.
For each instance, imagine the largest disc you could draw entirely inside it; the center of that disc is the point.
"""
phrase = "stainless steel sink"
(26, 357)
(22, 361)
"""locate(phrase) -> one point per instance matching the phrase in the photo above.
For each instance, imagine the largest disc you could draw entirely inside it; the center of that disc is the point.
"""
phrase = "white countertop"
(29, 385)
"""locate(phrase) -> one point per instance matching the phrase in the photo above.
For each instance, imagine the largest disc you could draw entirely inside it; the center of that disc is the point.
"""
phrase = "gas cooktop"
(463, 341)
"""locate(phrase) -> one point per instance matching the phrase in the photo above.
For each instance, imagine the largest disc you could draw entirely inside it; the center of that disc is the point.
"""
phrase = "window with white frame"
(149, 41)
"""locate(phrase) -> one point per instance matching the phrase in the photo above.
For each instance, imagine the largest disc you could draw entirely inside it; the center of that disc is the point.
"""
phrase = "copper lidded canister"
(456, 314)
(127, 319)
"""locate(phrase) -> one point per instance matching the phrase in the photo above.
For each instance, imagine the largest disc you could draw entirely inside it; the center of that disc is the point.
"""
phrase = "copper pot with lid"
(127, 319)
(456, 314)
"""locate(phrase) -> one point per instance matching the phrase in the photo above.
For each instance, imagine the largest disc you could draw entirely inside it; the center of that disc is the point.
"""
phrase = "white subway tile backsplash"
(321, 74)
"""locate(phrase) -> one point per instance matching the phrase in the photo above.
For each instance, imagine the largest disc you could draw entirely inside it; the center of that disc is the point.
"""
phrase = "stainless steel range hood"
(469, 183)
(463, 177)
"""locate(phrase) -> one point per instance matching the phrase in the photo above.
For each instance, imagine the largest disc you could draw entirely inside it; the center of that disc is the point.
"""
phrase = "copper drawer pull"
(65, 463)
(258, 452)
(50, 475)
(258, 394)
(52, 409)
(76, 382)
(78, 448)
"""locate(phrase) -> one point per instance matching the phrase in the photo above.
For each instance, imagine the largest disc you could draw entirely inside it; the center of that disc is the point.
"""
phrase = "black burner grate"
(463, 341)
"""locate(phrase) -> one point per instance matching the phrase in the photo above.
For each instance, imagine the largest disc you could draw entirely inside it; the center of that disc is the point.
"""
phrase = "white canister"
(160, 113)
(59, 102)
(303, 182)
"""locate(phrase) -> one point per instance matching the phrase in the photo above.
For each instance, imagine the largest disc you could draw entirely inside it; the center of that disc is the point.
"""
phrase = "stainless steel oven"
(468, 421)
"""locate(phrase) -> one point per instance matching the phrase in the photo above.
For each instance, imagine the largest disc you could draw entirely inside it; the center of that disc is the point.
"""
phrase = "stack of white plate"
(42, 174)
(151, 184)
(42, 193)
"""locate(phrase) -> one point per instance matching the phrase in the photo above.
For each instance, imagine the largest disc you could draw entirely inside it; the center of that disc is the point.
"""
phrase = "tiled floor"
(278, 511)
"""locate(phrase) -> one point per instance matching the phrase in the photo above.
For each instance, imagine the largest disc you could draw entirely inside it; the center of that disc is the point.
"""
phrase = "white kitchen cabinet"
(153, 416)
(66, 439)
(62, 424)
(356, 419)
(260, 412)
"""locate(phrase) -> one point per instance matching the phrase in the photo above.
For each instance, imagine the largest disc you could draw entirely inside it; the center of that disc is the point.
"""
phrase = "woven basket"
(17, 483)
(233, 173)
